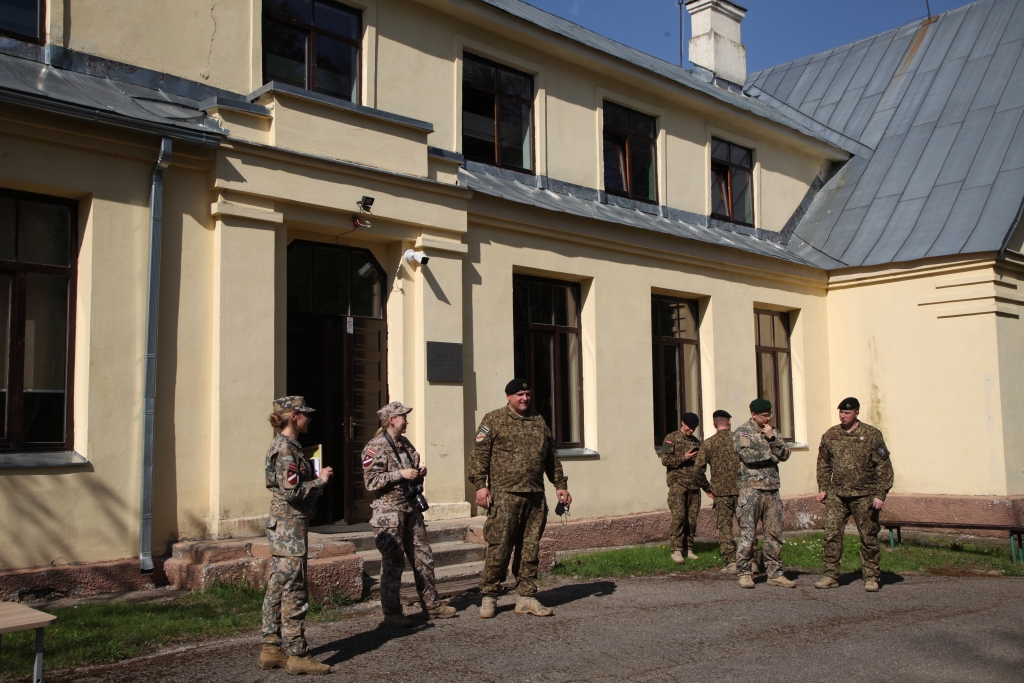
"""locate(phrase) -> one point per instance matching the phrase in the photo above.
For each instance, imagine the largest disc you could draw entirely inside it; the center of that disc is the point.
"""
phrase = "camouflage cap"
(291, 404)
(391, 410)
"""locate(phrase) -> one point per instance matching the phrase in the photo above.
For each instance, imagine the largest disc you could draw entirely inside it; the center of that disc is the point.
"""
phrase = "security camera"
(417, 256)
(358, 222)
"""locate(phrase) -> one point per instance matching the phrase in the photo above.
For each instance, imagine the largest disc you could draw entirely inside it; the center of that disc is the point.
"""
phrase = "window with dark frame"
(676, 361)
(38, 269)
(546, 323)
(333, 280)
(497, 114)
(22, 19)
(629, 153)
(775, 368)
(732, 187)
(313, 44)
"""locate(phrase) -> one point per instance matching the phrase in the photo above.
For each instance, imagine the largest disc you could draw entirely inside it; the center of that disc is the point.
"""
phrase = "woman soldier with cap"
(290, 477)
(390, 465)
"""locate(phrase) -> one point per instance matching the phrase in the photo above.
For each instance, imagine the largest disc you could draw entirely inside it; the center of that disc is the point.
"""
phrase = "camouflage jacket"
(719, 451)
(381, 472)
(759, 458)
(854, 463)
(681, 472)
(290, 477)
(513, 454)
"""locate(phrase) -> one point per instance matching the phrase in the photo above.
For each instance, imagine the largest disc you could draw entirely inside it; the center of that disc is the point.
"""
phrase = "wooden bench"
(15, 617)
(1016, 533)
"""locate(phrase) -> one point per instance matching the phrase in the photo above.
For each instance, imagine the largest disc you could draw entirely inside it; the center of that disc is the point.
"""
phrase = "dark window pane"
(655, 313)
(784, 409)
(21, 17)
(330, 281)
(5, 319)
(46, 315)
(514, 83)
(543, 391)
(339, 20)
(8, 227)
(520, 302)
(691, 384)
(541, 303)
(44, 233)
(641, 124)
(284, 54)
(659, 409)
(616, 116)
(293, 9)
(521, 354)
(719, 192)
(766, 380)
(366, 287)
(477, 73)
(478, 125)
(569, 374)
(781, 335)
(764, 329)
(572, 308)
(516, 135)
(742, 200)
(299, 268)
(670, 386)
(719, 150)
(560, 305)
(336, 68)
(740, 156)
(641, 169)
(614, 163)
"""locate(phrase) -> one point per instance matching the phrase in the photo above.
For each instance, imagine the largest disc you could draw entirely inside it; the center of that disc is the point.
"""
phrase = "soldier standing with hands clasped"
(514, 450)
(290, 477)
(760, 450)
(389, 462)
(677, 455)
(719, 451)
(854, 476)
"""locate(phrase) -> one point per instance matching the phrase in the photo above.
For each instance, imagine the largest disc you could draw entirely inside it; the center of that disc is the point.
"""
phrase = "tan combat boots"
(272, 657)
(305, 665)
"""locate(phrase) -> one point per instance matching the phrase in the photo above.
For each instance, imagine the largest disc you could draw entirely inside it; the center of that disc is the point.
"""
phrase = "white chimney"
(716, 45)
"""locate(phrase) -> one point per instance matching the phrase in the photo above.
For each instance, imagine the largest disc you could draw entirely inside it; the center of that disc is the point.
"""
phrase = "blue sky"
(774, 31)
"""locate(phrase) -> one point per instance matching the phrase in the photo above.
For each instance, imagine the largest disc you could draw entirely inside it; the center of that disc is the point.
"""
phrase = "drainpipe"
(156, 210)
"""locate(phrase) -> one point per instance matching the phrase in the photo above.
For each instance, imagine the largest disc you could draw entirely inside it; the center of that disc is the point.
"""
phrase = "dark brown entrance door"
(337, 351)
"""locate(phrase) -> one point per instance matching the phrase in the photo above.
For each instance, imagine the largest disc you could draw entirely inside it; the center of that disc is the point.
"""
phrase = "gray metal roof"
(939, 103)
(563, 200)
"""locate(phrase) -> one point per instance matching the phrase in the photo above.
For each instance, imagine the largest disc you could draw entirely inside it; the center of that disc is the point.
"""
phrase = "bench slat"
(15, 617)
(953, 525)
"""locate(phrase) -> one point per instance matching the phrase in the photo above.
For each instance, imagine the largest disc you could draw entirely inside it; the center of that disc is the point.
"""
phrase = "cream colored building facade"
(931, 346)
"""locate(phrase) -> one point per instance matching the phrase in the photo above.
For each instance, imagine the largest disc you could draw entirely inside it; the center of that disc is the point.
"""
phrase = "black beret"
(760, 405)
(691, 420)
(516, 385)
(721, 413)
(849, 404)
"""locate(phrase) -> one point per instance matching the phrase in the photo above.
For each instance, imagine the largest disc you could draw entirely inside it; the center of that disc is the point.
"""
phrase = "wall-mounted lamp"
(365, 204)
(416, 257)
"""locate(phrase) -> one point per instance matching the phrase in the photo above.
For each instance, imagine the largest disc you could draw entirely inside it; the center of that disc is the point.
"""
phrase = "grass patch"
(801, 552)
(99, 633)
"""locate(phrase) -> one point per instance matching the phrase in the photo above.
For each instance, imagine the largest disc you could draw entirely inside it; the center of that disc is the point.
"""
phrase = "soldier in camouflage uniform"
(514, 450)
(719, 451)
(854, 476)
(760, 450)
(295, 487)
(677, 455)
(388, 460)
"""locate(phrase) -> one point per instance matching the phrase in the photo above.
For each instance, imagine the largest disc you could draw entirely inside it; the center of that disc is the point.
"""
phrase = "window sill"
(577, 453)
(797, 446)
(33, 459)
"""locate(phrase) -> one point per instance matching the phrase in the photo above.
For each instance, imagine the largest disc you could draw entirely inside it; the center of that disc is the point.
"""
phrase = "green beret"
(760, 405)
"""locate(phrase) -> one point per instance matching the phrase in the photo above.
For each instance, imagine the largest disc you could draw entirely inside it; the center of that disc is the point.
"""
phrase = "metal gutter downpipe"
(156, 210)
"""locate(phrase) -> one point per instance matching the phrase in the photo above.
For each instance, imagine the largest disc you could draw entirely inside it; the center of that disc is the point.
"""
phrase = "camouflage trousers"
(514, 521)
(725, 513)
(285, 605)
(838, 509)
(401, 535)
(684, 504)
(753, 506)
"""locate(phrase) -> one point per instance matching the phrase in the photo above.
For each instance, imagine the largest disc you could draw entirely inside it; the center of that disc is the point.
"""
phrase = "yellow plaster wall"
(1010, 341)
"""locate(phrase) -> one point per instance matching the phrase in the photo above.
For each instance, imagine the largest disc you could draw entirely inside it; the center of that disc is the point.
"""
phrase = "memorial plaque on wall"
(444, 362)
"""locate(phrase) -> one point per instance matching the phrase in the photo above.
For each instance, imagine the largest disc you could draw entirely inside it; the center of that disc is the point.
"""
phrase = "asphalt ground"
(674, 628)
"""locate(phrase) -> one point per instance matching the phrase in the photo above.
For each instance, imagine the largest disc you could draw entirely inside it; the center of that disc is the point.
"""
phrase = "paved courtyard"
(685, 628)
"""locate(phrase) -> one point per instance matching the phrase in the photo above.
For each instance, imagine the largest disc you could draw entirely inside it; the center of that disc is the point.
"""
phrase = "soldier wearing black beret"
(854, 476)
(677, 455)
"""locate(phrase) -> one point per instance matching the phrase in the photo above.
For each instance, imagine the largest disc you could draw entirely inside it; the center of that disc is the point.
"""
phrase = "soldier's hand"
(691, 454)
(877, 503)
(710, 495)
(564, 496)
(768, 431)
(326, 473)
(423, 472)
(821, 496)
(483, 498)
(410, 473)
